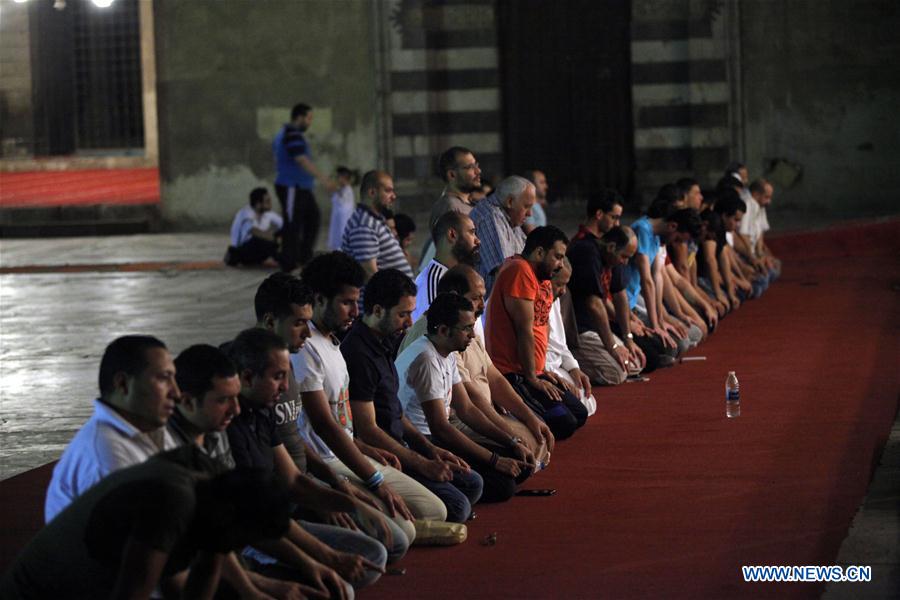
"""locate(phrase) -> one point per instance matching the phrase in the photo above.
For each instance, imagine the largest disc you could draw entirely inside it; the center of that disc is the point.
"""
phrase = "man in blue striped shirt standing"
(294, 185)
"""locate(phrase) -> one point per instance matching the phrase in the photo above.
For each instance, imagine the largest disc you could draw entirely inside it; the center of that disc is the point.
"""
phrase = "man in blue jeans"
(369, 350)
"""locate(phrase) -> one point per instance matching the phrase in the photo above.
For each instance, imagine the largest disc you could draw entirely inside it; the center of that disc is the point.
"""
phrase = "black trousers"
(255, 251)
(563, 418)
(651, 345)
(301, 223)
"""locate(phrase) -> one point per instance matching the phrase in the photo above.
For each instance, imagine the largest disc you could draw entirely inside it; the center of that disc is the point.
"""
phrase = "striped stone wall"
(443, 90)
(681, 93)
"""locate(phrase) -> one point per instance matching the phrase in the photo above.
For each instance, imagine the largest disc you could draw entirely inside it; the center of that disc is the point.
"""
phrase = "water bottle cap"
(731, 372)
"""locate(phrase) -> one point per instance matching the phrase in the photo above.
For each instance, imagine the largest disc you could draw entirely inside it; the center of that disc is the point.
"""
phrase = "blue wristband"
(374, 482)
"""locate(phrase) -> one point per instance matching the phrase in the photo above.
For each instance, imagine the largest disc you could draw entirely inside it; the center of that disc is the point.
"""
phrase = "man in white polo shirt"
(138, 393)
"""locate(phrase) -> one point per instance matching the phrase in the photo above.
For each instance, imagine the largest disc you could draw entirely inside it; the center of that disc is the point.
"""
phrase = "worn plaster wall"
(16, 121)
(821, 90)
(228, 74)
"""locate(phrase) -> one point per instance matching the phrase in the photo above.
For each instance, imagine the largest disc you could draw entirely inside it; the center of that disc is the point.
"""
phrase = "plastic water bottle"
(732, 396)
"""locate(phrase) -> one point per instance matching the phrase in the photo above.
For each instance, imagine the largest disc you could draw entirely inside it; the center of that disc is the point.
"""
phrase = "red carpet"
(660, 495)
(73, 188)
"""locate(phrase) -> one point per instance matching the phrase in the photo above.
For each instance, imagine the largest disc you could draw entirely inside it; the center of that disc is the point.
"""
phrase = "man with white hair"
(498, 220)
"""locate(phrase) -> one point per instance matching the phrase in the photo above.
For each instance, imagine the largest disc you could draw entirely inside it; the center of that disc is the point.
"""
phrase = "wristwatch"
(514, 441)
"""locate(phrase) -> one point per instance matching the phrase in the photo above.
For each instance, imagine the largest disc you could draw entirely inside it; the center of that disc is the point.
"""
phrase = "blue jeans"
(458, 494)
(351, 542)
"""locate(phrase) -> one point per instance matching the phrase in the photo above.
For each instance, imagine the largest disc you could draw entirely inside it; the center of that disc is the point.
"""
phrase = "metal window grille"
(107, 62)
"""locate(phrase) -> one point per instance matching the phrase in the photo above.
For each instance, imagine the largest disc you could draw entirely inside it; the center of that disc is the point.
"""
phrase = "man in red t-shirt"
(517, 330)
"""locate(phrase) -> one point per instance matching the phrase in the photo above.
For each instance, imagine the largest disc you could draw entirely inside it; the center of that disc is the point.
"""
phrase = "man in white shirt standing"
(138, 393)
(455, 242)
(254, 232)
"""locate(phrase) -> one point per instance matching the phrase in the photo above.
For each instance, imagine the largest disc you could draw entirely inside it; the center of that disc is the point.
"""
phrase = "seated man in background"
(367, 237)
(155, 525)
(455, 242)
(755, 224)
(254, 233)
(460, 170)
(560, 360)
(378, 419)
(431, 385)
(498, 220)
(210, 389)
(517, 330)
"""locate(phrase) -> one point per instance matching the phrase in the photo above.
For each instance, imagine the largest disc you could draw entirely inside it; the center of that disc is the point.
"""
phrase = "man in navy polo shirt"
(294, 185)
(369, 350)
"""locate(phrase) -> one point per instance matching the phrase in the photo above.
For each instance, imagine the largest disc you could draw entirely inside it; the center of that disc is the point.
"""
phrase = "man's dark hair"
(734, 166)
(127, 354)
(444, 310)
(344, 171)
(447, 160)
(328, 274)
(543, 237)
(369, 182)
(661, 206)
(728, 183)
(257, 195)
(250, 349)
(385, 289)
(729, 203)
(685, 184)
(617, 237)
(449, 220)
(758, 186)
(603, 200)
(300, 110)
(405, 225)
(686, 220)
(455, 280)
(196, 366)
(276, 294)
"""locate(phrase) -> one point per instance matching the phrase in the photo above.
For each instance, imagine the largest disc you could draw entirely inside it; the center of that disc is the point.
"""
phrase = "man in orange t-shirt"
(517, 330)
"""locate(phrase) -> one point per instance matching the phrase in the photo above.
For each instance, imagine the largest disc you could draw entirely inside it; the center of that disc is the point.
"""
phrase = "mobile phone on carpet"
(540, 492)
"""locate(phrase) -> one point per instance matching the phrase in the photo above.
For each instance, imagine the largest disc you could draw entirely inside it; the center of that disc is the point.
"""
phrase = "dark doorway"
(566, 70)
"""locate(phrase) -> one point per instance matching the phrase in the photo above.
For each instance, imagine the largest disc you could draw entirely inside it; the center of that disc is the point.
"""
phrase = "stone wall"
(228, 74)
(821, 90)
(16, 120)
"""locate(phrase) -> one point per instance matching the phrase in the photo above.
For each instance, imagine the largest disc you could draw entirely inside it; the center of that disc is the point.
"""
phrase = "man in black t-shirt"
(598, 295)
(369, 349)
(140, 526)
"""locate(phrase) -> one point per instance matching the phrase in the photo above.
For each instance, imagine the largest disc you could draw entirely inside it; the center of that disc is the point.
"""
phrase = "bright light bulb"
(102, 3)
(20, 1)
